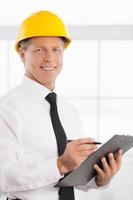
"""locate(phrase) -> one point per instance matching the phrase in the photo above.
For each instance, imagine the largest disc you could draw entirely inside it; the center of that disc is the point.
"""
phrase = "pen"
(67, 141)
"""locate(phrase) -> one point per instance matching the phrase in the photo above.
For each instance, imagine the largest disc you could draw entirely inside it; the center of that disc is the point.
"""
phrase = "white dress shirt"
(28, 149)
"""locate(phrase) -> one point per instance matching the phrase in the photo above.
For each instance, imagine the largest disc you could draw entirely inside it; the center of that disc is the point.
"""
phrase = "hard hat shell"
(42, 23)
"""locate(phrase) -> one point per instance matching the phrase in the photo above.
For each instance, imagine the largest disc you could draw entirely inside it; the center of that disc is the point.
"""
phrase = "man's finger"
(99, 170)
(119, 158)
(87, 147)
(84, 141)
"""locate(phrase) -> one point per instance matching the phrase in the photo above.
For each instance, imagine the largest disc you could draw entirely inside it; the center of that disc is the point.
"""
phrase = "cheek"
(34, 62)
(30, 66)
(60, 62)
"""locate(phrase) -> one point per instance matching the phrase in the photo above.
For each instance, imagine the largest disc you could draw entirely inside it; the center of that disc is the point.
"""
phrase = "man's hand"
(75, 153)
(109, 169)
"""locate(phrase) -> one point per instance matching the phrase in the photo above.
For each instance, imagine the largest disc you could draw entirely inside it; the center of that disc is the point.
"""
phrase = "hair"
(24, 44)
(65, 40)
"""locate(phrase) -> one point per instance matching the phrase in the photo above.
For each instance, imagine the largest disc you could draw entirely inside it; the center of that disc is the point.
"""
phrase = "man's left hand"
(109, 169)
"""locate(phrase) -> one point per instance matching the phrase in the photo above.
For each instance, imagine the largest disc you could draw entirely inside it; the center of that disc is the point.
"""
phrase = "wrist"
(101, 183)
(62, 169)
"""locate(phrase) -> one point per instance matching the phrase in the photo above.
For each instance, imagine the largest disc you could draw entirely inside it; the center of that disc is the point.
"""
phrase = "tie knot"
(51, 98)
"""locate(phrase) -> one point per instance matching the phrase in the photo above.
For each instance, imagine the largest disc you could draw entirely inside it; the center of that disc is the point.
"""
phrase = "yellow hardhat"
(42, 23)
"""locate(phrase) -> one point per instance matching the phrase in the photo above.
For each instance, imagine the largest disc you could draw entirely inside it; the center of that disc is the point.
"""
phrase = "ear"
(22, 54)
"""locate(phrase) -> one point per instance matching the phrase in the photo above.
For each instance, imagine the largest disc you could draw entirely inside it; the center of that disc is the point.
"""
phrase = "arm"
(20, 169)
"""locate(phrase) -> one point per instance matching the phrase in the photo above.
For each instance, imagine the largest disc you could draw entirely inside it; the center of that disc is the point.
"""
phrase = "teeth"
(48, 68)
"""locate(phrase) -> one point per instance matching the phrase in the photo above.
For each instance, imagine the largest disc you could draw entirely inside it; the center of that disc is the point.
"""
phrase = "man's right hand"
(75, 153)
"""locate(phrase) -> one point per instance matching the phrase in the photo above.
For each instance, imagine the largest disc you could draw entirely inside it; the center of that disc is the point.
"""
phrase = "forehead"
(46, 41)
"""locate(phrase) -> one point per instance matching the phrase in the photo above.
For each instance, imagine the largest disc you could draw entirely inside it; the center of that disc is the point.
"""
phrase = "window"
(97, 79)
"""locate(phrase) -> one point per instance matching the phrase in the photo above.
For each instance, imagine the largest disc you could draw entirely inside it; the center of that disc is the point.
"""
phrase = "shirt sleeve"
(91, 185)
(19, 169)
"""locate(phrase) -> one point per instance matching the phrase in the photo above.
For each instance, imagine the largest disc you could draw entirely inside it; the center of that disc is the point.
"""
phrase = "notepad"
(86, 172)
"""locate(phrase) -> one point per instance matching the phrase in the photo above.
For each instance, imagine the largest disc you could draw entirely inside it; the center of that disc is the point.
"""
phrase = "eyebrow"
(41, 46)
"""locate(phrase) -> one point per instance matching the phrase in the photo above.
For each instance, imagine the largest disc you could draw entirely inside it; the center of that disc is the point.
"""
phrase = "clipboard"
(85, 172)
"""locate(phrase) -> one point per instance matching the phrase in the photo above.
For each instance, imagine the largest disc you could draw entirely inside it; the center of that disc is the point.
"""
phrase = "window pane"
(87, 109)
(116, 117)
(79, 74)
(4, 62)
(16, 67)
(117, 68)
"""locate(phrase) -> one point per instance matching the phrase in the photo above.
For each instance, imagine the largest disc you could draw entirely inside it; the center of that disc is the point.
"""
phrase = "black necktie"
(65, 193)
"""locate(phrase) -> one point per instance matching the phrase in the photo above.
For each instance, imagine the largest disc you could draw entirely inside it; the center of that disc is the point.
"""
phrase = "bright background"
(98, 70)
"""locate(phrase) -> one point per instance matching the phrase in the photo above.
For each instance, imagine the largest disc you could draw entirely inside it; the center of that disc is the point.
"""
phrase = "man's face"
(43, 59)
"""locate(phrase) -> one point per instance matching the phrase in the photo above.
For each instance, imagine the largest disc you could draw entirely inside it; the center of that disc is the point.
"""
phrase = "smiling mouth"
(46, 68)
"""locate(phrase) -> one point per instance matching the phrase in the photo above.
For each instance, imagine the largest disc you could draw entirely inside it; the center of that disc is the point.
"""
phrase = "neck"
(49, 85)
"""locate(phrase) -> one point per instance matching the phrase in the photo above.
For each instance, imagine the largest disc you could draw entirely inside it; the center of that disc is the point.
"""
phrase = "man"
(34, 129)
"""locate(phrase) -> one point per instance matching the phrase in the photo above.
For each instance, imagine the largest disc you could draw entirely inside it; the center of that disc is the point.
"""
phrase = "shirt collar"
(35, 89)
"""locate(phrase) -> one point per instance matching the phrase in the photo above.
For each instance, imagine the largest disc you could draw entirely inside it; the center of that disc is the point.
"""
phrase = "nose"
(48, 56)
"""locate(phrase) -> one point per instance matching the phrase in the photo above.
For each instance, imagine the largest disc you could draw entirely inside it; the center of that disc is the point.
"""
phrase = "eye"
(57, 50)
(38, 50)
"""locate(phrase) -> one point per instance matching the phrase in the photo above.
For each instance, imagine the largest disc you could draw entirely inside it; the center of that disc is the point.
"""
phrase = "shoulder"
(10, 104)
(13, 97)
